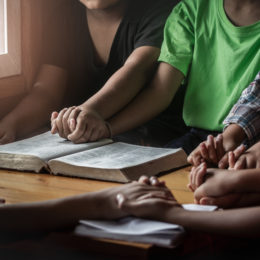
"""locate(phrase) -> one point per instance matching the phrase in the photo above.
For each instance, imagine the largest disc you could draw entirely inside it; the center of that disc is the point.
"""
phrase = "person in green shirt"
(212, 46)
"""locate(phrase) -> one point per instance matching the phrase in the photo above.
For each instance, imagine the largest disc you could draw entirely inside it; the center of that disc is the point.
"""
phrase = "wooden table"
(17, 187)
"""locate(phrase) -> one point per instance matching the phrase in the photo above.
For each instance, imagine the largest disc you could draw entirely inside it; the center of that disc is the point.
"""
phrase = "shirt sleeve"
(178, 43)
(150, 28)
(246, 112)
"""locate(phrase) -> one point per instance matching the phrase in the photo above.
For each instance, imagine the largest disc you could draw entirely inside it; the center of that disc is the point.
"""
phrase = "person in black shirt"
(110, 50)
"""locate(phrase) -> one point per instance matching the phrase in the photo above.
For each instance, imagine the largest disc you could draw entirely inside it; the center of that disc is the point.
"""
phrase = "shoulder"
(192, 7)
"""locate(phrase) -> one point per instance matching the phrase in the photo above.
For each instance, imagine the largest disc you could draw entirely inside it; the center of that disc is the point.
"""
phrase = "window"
(10, 38)
(3, 27)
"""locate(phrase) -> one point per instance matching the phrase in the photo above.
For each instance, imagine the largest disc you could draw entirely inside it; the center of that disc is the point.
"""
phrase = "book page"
(48, 146)
(116, 156)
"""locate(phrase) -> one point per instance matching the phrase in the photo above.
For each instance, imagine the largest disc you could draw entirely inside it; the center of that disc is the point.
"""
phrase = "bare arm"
(52, 214)
(35, 108)
(236, 222)
(151, 101)
(125, 83)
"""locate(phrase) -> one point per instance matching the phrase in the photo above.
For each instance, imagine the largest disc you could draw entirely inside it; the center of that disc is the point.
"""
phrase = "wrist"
(109, 128)
(233, 136)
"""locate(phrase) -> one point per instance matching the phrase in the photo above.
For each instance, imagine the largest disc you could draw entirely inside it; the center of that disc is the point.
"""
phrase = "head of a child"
(100, 4)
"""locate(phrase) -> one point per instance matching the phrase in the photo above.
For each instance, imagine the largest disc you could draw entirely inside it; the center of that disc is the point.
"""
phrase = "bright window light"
(3, 27)
(10, 38)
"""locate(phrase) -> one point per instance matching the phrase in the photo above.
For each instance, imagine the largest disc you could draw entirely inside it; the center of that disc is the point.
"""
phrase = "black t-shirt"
(67, 42)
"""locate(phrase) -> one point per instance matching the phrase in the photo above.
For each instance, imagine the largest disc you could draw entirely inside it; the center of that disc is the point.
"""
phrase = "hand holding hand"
(210, 151)
(246, 160)
(155, 204)
(90, 127)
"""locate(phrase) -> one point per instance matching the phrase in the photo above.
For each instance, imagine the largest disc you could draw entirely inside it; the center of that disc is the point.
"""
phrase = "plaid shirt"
(246, 112)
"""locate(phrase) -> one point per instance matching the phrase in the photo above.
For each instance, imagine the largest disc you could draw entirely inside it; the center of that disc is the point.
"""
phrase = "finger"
(231, 160)
(86, 136)
(240, 163)
(193, 177)
(154, 181)
(190, 178)
(189, 186)
(158, 194)
(202, 171)
(239, 150)
(223, 163)
(144, 179)
(65, 121)
(54, 129)
(204, 151)
(211, 149)
(81, 127)
(73, 118)
(219, 147)
(59, 124)
(72, 124)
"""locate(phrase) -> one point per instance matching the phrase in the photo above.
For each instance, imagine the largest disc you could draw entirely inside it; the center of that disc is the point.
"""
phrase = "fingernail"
(119, 198)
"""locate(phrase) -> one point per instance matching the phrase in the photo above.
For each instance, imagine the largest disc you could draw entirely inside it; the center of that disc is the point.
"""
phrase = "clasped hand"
(79, 125)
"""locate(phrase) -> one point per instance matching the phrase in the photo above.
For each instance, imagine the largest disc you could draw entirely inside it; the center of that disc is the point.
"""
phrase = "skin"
(87, 122)
(55, 214)
(249, 159)
(240, 186)
(214, 151)
(34, 109)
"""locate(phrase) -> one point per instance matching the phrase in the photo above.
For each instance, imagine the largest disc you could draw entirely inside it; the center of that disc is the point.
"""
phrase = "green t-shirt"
(217, 58)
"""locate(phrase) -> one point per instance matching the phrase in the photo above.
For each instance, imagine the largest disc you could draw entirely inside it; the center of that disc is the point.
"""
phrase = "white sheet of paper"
(138, 226)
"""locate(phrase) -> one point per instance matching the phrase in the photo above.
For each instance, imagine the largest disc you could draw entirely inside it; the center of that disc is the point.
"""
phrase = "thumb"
(54, 115)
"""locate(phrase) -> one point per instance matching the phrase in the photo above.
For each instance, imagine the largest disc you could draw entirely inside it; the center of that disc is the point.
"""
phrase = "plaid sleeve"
(246, 112)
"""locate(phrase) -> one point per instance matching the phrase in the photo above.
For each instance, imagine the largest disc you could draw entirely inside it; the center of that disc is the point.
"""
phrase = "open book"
(102, 160)
(138, 230)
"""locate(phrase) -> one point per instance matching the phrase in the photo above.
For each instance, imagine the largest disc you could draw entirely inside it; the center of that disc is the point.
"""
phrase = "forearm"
(150, 102)
(143, 108)
(233, 136)
(235, 222)
(125, 83)
(34, 109)
(49, 215)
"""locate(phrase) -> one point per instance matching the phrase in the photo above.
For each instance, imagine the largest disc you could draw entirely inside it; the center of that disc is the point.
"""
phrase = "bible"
(102, 160)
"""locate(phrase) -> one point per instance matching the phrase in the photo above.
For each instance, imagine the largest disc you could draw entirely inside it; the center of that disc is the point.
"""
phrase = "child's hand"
(7, 132)
(219, 188)
(247, 160)
(210, 151)
(196, 176)
(230, 158)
